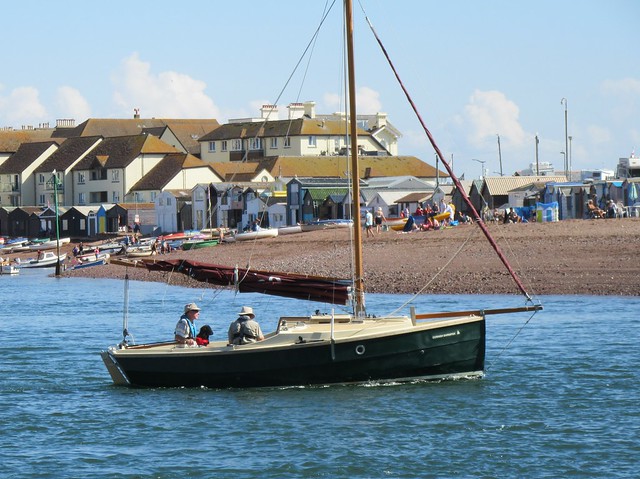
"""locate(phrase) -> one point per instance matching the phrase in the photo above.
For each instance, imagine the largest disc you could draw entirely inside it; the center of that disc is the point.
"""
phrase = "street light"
(566, 138)
(55, 201)
(482, 162)
(564, 157)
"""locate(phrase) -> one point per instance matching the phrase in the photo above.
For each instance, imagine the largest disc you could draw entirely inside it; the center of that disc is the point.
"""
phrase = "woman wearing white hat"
(245, 329)
(185, 332)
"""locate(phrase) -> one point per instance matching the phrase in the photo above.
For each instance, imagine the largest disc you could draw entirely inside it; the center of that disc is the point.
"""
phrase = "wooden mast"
(358, 294)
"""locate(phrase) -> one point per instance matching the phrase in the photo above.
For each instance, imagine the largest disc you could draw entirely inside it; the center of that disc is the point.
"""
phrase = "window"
(236, 145)
(41, 179)
(115, 176)
(42, 200)
(160, 201)
(82, 198)
(199, 195)
(100, 174)
(255, 144)
(153, 195)
(81, 177)
(223, 145)
(212, 146)
(312, 141)
(287, 142)
(273, 143)
(168, 201)
(115, 197)
(98, 197)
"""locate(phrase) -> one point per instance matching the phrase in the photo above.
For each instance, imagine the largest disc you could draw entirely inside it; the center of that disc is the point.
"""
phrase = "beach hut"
(547, 212)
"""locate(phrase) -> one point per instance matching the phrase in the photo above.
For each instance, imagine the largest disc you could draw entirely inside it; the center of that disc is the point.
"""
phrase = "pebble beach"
(581, 257)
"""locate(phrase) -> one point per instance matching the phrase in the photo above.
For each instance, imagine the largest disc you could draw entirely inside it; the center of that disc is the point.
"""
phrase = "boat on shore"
(45, 259)
(324, 347)
(49, 244)
(256, 235)
(199, 243)
(289, 230)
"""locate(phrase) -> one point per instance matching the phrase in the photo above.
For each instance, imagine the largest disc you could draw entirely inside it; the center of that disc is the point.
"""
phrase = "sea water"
(560, 397)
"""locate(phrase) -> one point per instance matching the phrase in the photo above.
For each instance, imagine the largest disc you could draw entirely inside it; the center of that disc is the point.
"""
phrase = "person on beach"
(185, 332)
(245, 329)
(378, 219)
(368, 223)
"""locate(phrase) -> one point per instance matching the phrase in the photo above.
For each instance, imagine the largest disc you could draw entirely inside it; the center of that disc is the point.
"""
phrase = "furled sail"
(247, 280)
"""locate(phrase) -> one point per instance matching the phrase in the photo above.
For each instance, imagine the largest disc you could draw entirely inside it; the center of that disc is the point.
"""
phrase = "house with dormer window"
(109, 171)
(176, 171)
(302, 134)
(17, 185)
(70, 152)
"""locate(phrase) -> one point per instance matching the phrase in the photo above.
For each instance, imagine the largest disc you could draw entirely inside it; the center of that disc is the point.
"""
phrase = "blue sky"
(475, 69)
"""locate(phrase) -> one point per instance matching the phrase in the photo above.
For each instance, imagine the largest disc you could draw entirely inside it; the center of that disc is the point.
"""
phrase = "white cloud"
(367, 101)
(490, 113)
(166, 94)
(625, 86)
(71, 104)
(22, 106)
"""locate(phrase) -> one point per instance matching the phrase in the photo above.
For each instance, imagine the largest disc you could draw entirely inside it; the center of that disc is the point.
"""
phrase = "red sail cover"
(290, 285)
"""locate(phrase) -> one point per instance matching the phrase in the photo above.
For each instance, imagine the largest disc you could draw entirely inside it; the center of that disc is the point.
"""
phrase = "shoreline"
(581, 257)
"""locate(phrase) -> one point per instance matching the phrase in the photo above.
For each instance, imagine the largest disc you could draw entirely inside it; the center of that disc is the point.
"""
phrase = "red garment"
(201, 341)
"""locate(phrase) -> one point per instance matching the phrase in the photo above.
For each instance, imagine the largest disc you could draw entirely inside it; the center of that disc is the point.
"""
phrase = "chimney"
(296, 110)
(269, 112)
(381, 120)
(65, 123)
(310, 109)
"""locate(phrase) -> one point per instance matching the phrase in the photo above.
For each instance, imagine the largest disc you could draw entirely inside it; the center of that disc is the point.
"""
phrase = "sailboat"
(317, 349)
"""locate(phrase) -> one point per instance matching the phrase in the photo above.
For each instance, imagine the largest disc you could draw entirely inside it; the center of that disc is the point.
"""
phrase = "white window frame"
(273, 143)
(212, 147)
(81, 178)
(82, 198)
(115, 176)
(223, 146)
(287, 142)
(236, 145)
(313, 141)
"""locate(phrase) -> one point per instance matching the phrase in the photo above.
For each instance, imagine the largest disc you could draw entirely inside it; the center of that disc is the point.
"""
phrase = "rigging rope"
(462, 191)
(497, 356)
(410, 300)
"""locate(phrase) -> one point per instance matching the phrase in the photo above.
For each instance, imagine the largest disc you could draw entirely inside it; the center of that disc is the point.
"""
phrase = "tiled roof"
(10, 140)
(280, 128)
(70, 150)
(161, 174)
(328, 166)
(187, 131)
(26, 154)
(118, 152)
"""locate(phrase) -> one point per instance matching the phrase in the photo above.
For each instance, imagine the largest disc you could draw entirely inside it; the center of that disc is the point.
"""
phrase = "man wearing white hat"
(185, 332)
(245, 329)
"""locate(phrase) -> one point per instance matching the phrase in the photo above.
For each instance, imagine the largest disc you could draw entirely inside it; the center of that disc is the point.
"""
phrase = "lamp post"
(499, 154)
(570, 156)
(55, 202)
(537, 164)
(564, 158)
(566, 138)
(482, 162)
